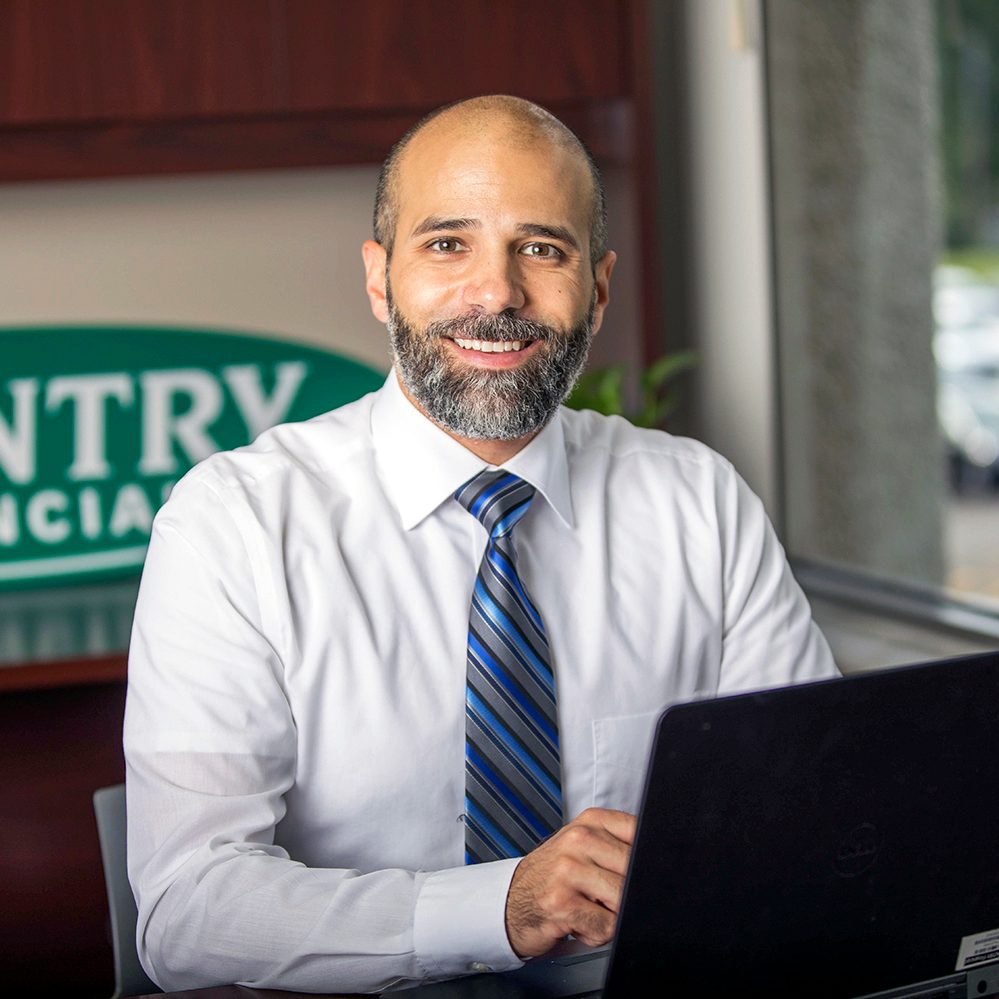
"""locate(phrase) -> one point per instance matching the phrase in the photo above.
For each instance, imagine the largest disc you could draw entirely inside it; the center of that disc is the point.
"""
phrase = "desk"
(569, 970)
(241, 992)
(484, 987)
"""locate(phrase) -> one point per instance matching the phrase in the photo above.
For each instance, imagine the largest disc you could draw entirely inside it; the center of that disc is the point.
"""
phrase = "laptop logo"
(858, 850)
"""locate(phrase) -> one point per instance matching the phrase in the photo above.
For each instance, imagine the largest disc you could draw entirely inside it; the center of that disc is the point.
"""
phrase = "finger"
(620, 825)
(604, 888)
(587, 919)
(581, 878)
(606, 892)
(595, 846)
(594, 926)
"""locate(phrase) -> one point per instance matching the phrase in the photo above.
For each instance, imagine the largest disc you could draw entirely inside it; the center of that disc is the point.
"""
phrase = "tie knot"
(497, 498)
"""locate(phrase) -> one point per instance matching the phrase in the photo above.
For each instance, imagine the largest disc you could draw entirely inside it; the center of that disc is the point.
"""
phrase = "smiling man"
(491, 312)
(394, 671)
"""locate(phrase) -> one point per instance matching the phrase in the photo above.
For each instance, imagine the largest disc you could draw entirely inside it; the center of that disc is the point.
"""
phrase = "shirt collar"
(420, 465)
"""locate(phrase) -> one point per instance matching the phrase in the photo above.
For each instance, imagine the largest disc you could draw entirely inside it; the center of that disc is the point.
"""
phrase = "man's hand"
(571, 883)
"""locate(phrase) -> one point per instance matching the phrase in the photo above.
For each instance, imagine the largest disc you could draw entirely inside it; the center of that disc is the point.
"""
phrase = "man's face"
(490, 296)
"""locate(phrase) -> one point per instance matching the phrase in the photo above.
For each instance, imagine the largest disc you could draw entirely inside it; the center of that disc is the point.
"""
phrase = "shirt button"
(479, 968)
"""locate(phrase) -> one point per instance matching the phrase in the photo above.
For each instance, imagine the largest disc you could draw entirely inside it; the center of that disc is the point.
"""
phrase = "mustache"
(495, 328)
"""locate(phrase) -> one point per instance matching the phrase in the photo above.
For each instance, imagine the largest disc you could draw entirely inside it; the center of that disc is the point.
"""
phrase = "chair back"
(109, 809)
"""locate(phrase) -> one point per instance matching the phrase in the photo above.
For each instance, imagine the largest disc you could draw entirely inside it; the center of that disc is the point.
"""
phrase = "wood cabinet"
(110, 87)
(59, 745)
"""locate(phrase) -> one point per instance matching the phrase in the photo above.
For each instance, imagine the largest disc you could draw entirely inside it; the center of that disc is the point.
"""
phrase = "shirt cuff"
(460, 921)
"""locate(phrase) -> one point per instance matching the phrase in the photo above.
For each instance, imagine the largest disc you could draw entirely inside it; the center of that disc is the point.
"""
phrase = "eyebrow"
(548, 232)
(437, 223)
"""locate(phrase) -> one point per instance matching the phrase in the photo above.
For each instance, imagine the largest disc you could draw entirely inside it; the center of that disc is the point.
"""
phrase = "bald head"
(517, 122)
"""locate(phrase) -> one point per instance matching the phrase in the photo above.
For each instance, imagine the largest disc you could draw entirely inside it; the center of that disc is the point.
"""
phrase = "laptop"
(835, 839)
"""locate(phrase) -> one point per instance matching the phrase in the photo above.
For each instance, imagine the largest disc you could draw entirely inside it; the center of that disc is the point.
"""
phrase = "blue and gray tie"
(513, 796)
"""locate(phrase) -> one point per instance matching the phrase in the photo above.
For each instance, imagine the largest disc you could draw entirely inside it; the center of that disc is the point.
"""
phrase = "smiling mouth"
(492, 346)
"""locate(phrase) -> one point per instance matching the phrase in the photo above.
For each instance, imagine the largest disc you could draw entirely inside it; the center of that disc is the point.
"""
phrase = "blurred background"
(803, 193)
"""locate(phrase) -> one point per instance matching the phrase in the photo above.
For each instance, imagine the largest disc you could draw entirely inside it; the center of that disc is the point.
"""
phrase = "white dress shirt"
(295, 730)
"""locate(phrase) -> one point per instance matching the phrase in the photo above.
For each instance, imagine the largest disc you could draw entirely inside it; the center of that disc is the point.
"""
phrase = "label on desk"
(978, 949)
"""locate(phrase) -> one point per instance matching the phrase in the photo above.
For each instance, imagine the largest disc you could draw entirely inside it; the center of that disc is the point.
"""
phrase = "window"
(884, 144)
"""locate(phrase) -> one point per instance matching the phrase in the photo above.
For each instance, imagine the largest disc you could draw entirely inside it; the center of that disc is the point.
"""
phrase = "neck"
(495, 452)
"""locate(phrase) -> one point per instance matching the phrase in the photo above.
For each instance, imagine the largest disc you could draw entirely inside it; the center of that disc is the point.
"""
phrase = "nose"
(494, 284)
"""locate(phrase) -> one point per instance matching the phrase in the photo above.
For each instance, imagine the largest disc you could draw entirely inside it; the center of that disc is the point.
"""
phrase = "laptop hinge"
(983, 983)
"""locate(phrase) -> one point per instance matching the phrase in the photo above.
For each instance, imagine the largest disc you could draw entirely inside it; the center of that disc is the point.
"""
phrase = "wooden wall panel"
(387, 54)
(93, 61)
(59, 747)
(110, 60)
(330, 139)
(97, 88)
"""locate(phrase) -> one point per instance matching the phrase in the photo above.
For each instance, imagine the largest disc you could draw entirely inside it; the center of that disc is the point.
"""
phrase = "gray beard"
(482, 404)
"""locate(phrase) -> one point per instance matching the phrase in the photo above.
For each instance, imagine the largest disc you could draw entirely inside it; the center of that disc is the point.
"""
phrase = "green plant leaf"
(605, 389)
(667, 367)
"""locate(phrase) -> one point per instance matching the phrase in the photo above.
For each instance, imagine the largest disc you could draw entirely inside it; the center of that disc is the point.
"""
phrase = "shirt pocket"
(620, 756)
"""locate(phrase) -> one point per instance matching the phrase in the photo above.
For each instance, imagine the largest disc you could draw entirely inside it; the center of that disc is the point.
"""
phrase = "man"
(322, 793)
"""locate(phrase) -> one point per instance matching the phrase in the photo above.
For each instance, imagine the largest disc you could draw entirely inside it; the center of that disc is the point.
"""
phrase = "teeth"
(490, 346)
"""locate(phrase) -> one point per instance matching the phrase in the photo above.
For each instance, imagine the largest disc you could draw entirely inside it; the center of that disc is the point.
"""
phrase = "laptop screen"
(832, 839)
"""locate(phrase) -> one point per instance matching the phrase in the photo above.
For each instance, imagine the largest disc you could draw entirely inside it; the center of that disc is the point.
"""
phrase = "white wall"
(276, 252)
(730, 226)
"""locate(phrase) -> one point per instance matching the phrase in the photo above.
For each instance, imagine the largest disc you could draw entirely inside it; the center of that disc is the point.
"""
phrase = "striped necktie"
(513, 796)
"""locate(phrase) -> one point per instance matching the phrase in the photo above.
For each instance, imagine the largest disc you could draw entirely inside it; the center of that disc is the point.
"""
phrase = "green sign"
(97, 423)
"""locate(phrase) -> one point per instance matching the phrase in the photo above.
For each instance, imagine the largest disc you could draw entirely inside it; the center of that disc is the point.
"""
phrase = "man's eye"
(445, 245)
(541, 250)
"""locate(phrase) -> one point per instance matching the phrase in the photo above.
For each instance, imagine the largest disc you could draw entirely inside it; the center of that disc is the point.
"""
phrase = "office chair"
(109, 809)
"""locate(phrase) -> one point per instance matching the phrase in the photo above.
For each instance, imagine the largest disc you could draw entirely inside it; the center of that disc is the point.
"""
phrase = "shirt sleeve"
(769, 637)
(210, 746)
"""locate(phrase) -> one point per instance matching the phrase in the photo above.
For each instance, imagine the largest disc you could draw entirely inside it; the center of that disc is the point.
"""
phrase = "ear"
(375, 264)
(601, 290)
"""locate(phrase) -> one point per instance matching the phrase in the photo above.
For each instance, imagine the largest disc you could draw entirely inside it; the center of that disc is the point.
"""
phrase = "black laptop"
(829, 840)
